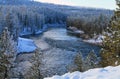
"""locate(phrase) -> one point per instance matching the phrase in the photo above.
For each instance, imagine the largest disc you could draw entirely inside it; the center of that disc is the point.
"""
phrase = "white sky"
(108, 4)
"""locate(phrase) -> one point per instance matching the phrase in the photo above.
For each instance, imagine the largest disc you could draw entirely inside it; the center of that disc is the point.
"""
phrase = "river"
(59, 50)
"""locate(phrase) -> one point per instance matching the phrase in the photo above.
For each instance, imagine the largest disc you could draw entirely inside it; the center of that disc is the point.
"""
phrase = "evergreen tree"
(79, 61)
(110, 54)
(91, 61)
(34, 71)
(11, 21)
(7, 54)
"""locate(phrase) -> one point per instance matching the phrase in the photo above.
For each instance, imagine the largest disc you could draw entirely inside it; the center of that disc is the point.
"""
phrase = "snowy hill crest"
(98, 73)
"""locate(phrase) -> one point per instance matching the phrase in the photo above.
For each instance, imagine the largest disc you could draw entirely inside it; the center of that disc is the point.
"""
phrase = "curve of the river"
(59, 49)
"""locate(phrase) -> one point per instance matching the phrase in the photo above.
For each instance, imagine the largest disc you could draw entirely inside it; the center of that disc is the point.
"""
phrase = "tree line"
(91, 24)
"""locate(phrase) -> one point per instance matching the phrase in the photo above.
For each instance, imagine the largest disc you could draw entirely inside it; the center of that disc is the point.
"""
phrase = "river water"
(58, 37)
(59, 50)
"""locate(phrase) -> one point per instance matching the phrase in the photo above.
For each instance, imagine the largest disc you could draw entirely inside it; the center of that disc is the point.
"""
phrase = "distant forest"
(29, 16)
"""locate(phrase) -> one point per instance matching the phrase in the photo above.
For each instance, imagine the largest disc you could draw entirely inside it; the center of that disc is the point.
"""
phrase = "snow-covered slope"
(98, 73)
(25, 45)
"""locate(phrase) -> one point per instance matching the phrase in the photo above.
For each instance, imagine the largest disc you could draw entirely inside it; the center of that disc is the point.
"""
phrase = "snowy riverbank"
(25, 45)
(97, 40)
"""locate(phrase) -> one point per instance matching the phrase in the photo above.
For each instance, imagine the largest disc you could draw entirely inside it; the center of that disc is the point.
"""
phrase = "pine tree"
(83, 64)
(34, 71)
(79, 61)
(91, 61)
(11, 21)
(110, 54)
(7, 53)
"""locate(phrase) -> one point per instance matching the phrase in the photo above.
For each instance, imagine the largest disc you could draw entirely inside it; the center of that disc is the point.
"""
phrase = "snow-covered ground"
(27, 31)
(98, 73)
(96, 40)
(74, 30)
(25, 45)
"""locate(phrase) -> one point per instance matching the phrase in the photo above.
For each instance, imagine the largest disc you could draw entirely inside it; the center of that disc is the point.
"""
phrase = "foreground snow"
(98, 73)
(25, 45)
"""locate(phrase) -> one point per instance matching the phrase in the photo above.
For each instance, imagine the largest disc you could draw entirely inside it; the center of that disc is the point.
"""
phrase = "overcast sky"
(108, 4)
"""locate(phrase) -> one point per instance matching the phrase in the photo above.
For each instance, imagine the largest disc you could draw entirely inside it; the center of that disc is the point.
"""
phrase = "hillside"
(63, 8)
(30, 16)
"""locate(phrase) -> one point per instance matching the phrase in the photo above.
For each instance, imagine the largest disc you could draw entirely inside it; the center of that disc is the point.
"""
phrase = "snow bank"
(98, 73)
(25, 45)
(75, 30)
(27, 31)
(96, 40)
